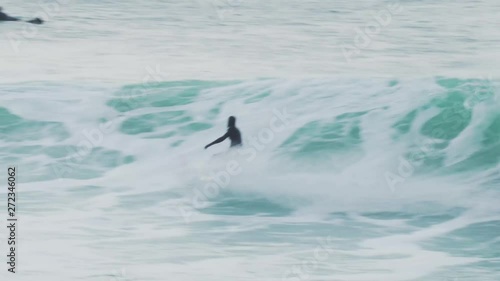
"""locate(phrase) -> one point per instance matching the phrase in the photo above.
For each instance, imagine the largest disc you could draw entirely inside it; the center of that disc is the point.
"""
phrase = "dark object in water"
(36, 21)
(5, 17)
(232, 133)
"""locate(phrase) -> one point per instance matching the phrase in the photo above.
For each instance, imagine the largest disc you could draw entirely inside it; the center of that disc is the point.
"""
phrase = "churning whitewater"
(370, 132)
(393, 180)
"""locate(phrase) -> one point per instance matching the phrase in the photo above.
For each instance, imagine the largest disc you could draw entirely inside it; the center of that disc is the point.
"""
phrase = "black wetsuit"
(233, 134)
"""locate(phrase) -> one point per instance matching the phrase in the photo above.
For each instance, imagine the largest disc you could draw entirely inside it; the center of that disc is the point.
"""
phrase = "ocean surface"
(371, 134)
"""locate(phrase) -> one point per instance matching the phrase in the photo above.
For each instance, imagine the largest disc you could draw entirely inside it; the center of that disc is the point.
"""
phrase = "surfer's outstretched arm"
(221, 139)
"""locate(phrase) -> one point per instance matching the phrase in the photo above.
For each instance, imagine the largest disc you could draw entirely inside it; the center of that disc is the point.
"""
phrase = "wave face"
(346, 179)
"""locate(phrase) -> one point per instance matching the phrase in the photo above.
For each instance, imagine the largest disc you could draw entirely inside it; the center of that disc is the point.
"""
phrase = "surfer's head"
(231, 122)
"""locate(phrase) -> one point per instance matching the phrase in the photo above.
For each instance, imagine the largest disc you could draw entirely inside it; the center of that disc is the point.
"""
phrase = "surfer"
(5, 17)
(232, 133)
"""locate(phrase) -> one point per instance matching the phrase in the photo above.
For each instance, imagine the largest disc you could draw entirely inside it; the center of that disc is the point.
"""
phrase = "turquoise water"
(383, 164)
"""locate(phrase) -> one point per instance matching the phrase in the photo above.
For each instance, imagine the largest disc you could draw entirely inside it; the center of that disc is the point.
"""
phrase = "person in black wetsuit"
(232, 133)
